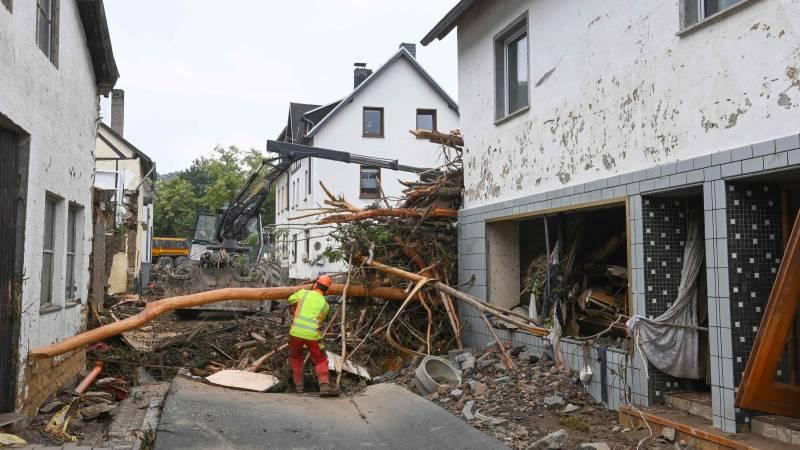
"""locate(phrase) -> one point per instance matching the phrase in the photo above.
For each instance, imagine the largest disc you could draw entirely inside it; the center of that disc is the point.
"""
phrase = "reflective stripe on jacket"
(309, 314)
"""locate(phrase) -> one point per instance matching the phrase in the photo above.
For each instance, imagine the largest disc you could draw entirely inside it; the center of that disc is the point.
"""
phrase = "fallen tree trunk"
(157, 308)
(403, 213)
(466, 298)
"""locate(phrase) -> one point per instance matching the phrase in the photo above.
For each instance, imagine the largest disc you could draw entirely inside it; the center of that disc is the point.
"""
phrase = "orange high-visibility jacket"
(309, 314)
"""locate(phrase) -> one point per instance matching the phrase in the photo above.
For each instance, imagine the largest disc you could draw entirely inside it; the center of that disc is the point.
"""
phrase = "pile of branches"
(411, 243)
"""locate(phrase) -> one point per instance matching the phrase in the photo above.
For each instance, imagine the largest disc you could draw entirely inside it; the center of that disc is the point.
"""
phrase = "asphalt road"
(200, 416)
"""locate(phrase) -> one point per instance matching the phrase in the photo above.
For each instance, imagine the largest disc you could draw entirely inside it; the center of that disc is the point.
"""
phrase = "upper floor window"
(74, 227)
(373, 122)
(426, 119)
(696, 11)
(47, 28)
(369, 177)
(511, 68)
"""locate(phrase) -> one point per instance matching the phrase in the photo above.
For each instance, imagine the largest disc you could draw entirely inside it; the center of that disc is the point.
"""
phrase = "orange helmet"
(323, 280)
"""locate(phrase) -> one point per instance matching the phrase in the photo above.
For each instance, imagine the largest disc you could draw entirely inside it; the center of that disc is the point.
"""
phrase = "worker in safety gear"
(310, 310)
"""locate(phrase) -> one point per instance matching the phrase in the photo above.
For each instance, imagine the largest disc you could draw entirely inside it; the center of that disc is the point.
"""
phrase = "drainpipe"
(98, 366)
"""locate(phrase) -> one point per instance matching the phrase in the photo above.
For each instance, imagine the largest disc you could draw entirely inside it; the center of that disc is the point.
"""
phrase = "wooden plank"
(759, 391)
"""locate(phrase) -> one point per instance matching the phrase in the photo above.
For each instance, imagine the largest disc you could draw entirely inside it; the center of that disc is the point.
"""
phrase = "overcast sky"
(201, 73)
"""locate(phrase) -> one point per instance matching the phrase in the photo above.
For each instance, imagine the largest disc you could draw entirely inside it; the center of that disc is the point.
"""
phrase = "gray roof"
(98, 39)
(448, 22)
(401, 53)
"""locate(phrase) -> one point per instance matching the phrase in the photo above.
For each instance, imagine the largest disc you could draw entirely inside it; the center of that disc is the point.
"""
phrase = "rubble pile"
(537, 406)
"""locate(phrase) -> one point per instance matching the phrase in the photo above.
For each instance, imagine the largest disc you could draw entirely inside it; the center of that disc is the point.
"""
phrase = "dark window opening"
(72, 238)
(47, 28)
(373, 122)
(426, 119)
(696, 11)
(48, 250)
(294, 248)
(369, 180)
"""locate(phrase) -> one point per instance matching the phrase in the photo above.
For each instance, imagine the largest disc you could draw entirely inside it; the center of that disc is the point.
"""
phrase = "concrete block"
(713, 313)
(626, 178)
(709, 228)
(596, 196)
(711, 283)
(731, 169)
(647, 185)
(787, 143)
(685, 165)
(612, 181)
(653, 172)
(677, 180)
(720, 224)
(638, 257)
(741, 153)
(713, 341)
(712, 173)
(764, 148)
(725, 344)
(720, 158)
(669, 169)
(794, 157)
(661, 183)
(752, 165)
(710, 250)
(621, 191)
(777, 161)
(720, 199)
(724, 312)
(722, 252)
(579, 189)
(701, 162)
(708, 197)
(728, 408)
(632, 188)
(608, 193)
(639, 175)
(716, 399)
(694, 176)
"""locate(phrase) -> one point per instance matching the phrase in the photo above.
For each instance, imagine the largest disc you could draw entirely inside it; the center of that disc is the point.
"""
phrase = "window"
(47, 28)
(286, 198)
(48, 250)
(370, 177)
(511, 69)
(308, 244)
(294, 248)
(73, 230)
(696, 11)
(373, 122)
(426, 119)
(309, 176)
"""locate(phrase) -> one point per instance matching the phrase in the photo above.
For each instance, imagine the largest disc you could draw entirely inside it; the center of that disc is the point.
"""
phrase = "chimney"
(118, 111)
(410, 48)
(360, 73)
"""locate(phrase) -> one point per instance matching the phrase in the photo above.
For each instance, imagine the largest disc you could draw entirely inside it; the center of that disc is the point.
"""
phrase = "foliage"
(207, 185)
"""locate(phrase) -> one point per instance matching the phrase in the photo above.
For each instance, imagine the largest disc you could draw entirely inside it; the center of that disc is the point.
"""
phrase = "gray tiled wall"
(708, 172)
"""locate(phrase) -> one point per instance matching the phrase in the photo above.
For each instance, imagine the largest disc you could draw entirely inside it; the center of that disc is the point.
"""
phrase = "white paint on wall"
(400, 90)
(57, 107)
(624, 91)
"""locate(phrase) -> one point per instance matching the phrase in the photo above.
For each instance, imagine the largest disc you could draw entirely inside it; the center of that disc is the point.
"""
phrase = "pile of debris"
(537, 406)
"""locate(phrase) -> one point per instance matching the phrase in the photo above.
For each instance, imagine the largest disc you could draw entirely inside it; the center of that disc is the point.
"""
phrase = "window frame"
(703, 19)
(512, 32)
(364, 122)
(426, 111)
(52, 18)
(51, 203)
(71, 274)
(369, 196)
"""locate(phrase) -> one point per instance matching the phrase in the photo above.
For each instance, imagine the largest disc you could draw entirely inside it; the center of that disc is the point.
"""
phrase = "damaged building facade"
(55, 60)
(652, 136)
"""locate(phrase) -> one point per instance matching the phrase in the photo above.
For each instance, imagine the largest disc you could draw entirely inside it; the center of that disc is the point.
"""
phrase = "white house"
(373, 120)
(629, 116)
(55, 60)
(131, 174)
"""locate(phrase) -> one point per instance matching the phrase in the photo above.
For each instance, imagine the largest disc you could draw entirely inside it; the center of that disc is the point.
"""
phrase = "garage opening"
(571, 266)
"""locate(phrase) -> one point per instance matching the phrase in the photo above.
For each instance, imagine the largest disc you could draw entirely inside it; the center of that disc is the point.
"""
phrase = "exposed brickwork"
(45, 377)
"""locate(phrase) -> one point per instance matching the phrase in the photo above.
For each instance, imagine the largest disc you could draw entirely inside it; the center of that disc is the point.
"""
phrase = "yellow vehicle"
(170, 252)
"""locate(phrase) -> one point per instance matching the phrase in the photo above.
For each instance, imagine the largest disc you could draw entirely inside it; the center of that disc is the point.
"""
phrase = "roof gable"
(448, 22)
(125, 148)
(402, 53)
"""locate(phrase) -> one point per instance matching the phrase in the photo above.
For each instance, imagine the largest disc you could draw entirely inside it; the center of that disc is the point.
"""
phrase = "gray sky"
(197, 74)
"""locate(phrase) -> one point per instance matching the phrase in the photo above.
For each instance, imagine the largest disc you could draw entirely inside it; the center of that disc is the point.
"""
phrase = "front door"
(9, 292)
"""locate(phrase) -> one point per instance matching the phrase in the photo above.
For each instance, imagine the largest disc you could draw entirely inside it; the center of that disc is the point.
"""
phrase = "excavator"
(228, 248)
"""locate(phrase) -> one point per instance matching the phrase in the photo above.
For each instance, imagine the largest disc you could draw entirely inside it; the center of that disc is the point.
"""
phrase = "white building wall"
(625, 92)
(57, 107)
(400, 90)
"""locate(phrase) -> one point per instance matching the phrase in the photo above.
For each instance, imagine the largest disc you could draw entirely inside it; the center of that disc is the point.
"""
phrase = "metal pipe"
(98, 366)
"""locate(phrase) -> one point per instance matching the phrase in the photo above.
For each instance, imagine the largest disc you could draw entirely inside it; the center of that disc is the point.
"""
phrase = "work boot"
(326, 390)
(298, 388)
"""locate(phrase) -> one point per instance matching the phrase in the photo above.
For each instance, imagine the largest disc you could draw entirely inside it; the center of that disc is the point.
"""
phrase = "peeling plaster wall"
(57, 106)
(614, 90)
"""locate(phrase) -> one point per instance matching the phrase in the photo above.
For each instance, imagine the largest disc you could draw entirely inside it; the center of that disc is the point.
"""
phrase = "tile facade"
(713, 173)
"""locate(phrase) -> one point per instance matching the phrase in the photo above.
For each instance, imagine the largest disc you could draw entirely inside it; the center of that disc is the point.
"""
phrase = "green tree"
(208, 184)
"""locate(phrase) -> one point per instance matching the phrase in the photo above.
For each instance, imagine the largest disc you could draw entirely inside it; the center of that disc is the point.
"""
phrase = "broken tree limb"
(403, 213)
(466, 298)
(500, 345)
(159, 307)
